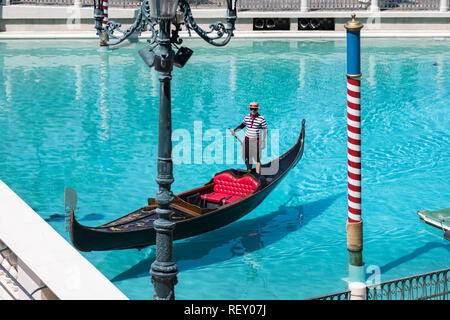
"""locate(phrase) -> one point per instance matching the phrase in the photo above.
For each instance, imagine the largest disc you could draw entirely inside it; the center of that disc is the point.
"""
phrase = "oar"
(240, 141)
(236, 137)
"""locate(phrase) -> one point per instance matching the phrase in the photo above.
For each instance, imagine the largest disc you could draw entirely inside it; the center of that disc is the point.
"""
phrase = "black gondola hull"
(97, 240)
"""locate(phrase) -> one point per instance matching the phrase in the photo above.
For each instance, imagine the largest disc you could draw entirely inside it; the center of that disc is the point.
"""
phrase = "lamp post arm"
(217, 30)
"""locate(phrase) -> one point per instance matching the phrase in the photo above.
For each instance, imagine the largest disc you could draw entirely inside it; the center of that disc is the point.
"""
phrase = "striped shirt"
(254, 126)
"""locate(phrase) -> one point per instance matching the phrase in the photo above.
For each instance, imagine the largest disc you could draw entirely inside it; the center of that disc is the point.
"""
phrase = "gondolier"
(255, 137)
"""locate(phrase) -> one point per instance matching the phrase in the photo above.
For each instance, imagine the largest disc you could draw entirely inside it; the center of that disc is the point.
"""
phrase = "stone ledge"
(242, 35)
(71, 19)
(48, 255)
(63, 12)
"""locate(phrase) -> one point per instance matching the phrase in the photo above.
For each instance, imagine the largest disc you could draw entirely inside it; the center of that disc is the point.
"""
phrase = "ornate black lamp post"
(164, 18)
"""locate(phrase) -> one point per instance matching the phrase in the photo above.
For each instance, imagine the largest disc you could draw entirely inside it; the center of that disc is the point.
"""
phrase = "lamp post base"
(164, 271)
(164, 279)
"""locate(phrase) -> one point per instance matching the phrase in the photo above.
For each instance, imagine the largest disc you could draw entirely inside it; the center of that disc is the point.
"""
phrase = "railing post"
(304, 6)
(357, 291)
(443, 7)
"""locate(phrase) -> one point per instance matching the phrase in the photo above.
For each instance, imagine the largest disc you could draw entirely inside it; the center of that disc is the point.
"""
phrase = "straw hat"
(254, 105)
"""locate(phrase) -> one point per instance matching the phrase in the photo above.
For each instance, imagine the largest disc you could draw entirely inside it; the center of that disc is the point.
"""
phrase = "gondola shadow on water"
(241, 237)
(413, 255)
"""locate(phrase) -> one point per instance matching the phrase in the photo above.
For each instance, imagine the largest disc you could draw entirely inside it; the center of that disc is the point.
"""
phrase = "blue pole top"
(353, 48)
(353, 25)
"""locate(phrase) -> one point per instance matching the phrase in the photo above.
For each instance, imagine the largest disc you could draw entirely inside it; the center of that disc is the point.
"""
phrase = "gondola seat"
(228, 188)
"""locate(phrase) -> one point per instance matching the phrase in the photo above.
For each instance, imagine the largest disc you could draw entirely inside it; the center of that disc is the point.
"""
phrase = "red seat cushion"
(227, 186)
(215, 196)
(233, 198)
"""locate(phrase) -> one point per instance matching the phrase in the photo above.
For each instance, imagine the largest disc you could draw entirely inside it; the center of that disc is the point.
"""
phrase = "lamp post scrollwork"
(164, 19)
(148, 17)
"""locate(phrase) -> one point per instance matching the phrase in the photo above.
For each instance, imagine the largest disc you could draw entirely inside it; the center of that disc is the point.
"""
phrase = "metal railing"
(112, 3)
(410, 4)
(269, 4)
(262, 5)
(8, 274)
(314, 5)
(336, 5)
(344, 295)
(16, 283)
(426, 286)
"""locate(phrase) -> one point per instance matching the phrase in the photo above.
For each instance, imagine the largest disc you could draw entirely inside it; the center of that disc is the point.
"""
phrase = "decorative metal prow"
(70, 205)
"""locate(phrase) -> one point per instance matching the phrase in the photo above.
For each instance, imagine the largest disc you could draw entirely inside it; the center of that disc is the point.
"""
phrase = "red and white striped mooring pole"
(354, 149)
(354, 221)
(105, 6)
(105, 12)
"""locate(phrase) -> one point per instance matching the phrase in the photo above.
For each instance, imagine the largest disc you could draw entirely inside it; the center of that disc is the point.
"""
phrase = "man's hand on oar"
(233, 133)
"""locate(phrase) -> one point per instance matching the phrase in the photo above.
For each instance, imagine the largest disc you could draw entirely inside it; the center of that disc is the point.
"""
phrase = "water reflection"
(301, 75)
(440, 76)
(103, 108)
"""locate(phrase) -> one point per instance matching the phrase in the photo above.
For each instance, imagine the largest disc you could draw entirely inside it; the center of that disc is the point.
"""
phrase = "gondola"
(440, 219)
(227, 197)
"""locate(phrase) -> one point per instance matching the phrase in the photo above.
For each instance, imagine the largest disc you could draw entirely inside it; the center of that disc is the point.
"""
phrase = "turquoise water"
(76, 115)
